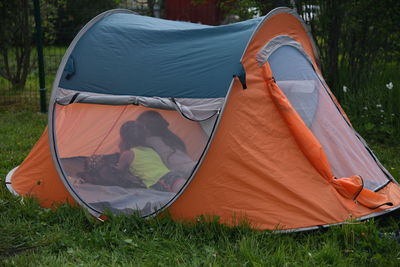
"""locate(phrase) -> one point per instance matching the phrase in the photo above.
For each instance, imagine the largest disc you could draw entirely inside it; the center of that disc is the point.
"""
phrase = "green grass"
(374, 108)
(32, 236)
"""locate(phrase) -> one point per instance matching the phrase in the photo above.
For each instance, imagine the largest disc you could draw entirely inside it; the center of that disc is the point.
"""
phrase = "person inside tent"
(168, 145)
(143, 161)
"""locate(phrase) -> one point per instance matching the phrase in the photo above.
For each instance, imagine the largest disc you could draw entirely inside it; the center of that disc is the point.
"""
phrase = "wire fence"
(60, 25)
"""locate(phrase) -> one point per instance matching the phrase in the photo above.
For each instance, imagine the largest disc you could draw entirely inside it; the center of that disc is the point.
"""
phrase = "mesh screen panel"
(126, 159)
(346, 154)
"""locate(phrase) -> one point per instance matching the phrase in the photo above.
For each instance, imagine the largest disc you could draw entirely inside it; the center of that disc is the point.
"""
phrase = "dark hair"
(132, 134)
(158, 126)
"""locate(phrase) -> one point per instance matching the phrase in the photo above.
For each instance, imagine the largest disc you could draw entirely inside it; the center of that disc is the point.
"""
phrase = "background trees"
(72, 15)
(16, 27)
(61, 20)
(355, 37)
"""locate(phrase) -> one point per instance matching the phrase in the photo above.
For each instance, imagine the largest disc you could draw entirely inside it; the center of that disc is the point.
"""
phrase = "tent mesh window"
(347, 156)
(126, 158)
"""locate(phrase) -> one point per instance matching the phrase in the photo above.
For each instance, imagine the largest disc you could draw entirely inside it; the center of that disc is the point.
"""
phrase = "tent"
(234, 121)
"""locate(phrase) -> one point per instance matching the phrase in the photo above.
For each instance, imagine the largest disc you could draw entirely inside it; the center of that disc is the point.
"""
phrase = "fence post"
(39, 47)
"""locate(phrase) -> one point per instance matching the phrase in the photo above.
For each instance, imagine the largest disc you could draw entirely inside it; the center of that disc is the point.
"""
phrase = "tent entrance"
(296, 77)
(127, 158)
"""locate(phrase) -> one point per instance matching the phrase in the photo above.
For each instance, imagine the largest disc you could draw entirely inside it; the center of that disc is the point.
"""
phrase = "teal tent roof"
(129, 54)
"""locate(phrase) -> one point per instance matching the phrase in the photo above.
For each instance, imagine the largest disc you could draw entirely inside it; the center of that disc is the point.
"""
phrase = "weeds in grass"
(65, 235)
(374, 109)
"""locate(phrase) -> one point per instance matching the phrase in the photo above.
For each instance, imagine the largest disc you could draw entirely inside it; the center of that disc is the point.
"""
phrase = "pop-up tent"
(233, 121)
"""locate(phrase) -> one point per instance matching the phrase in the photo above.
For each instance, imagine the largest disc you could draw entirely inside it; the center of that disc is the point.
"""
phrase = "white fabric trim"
(292, 12)
(8, 181)
(275, 43)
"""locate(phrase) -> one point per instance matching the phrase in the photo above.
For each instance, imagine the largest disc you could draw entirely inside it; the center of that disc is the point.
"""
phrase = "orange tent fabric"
(265, 169)
(263, 165)
(37, 176)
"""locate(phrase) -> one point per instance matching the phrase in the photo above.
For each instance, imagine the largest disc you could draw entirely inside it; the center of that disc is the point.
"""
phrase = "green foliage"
(374, 108)
(389, 157)
(28, 99)
(73, 15)
(355, 38)
(15, 41)
(247, 9)
(17, 35)
(49, 17)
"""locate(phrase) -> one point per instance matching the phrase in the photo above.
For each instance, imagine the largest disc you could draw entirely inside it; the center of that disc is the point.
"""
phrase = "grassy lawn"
(32, 236)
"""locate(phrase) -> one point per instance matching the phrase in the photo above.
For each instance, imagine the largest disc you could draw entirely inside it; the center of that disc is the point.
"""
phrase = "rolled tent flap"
(196, 109)
(306, 140)
(348, 187)
(352, 188)
(372, 199)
